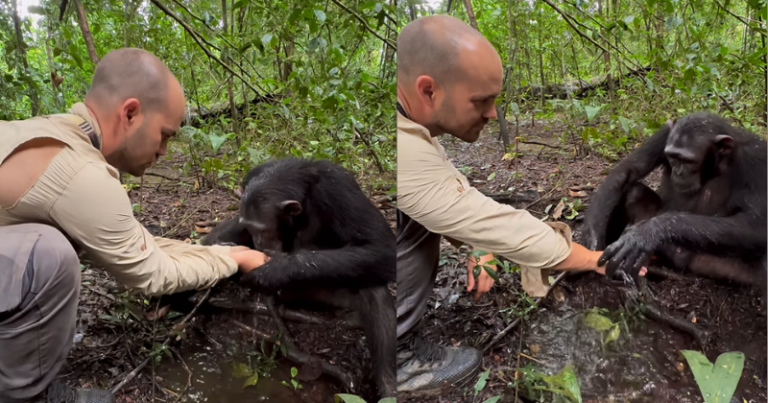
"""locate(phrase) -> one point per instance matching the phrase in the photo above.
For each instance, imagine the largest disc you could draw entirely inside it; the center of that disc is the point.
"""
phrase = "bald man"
(448, 77)
(66, 197)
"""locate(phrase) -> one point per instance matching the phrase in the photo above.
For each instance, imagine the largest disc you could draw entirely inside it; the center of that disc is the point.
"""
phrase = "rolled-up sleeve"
(96, 213)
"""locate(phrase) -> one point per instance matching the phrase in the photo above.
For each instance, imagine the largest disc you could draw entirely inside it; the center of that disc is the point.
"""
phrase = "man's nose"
(491, 114)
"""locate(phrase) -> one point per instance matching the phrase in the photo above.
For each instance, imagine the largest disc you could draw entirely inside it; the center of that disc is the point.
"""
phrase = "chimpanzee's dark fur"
(338, 240)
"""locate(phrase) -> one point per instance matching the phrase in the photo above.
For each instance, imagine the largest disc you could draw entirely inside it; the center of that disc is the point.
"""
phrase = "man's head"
(448, 76)
(138, 104)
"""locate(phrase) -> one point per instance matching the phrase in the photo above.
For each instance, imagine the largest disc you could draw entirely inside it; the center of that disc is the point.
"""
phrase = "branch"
(566, 17)
(194, 36)
(365, 24)
(743, 21)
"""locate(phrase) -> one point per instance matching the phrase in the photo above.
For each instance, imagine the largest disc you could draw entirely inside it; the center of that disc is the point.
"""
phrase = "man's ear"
(425, 90)
(130, 111)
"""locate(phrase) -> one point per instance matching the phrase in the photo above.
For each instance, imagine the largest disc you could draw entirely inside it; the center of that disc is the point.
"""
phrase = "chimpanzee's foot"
(58, 392)
(425, 367)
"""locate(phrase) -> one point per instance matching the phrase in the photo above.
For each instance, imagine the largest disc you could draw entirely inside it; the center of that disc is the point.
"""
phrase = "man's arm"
(430, 192)
(96, 213)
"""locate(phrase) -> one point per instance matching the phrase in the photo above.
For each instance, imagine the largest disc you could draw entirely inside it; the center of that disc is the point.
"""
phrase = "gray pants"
(418, 254)
(39, 291)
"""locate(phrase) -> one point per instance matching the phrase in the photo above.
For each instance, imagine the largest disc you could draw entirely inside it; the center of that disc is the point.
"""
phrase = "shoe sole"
(461, 383)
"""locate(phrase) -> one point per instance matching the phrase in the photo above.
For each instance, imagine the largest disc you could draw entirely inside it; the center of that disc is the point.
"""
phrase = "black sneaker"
(58, 392)
(425, 367)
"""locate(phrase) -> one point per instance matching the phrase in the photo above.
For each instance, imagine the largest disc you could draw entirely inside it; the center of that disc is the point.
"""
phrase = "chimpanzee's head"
(698, 148)
(269, 219)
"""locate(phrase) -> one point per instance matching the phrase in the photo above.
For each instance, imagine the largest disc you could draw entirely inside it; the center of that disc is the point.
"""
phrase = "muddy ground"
(643, 365)
(218, 351)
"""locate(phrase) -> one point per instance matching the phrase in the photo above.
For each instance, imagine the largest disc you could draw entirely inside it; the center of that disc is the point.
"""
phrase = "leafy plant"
(717, 382)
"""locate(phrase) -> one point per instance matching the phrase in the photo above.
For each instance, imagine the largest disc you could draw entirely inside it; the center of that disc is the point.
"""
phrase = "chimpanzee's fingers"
(609, 252)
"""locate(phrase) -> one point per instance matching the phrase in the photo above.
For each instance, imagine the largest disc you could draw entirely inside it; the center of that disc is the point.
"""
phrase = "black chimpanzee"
(321, 232)
(709, 215)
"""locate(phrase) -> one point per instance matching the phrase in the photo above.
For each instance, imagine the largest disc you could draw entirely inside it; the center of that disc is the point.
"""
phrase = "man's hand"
(484, 281)
(247, 259)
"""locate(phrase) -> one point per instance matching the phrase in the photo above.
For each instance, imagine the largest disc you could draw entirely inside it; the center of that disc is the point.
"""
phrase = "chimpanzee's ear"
(724, 144)
(290, 207)
(671, 123)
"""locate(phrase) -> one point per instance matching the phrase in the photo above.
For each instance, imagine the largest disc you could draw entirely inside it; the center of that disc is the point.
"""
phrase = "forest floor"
(220, 351)
(643, 364)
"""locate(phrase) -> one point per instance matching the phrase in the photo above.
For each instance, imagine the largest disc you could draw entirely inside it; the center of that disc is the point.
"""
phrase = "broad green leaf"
(493, 399)
(216, 141)
(515, 108)
(566, 383)
(57, 52)
(388, 400)
(491, 273)
(320, 15)
(347, 398)
(625, 124)
(592, 112)
(251, 381)
(240, 4)
(491, 176)
(717, 383)
(294, 372)
(597, 321)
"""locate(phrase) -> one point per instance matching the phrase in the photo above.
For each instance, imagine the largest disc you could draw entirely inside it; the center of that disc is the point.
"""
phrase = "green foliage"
(718, 382)
(325, 84)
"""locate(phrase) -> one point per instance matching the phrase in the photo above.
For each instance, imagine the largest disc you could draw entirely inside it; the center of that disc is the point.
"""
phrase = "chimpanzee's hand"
(265, 279)
(629, 253)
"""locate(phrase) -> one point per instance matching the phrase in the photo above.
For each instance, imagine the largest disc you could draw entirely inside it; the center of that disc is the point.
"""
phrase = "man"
(65, 195)
(448, 76)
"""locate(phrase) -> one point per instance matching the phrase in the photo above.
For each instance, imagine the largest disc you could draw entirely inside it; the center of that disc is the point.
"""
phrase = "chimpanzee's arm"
(350, 266)
(738, 235)
(636, 166)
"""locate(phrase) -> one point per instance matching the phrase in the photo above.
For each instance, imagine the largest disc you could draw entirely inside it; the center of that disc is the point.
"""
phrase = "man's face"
(146, 135)
(467, 104)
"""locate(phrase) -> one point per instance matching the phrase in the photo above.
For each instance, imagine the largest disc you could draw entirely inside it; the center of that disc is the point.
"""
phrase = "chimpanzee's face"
(266, 222)
(694, 150)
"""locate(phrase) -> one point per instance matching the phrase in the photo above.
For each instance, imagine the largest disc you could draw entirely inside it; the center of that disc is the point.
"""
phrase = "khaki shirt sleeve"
(95, 212)
(435, 196)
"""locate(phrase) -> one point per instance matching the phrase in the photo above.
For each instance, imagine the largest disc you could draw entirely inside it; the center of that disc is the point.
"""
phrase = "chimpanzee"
(709, 215)
(321, 231)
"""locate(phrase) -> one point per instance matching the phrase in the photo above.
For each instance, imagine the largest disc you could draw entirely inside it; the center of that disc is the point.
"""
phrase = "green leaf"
(36, 10)
(96, 29)
(347, 398)
(57, 52)
(597, 321)
(629, 19)
(482, 381)
(240, 4)
(565, 383)
(592, 112)
(251, 381)
(320, 15)
(216, 141)
(717, 383)
(492, 400)
(625, 124)
(613, 335)
(241, 370)
(294, 372)
(491, 273)
(515, 108)
(491, 176)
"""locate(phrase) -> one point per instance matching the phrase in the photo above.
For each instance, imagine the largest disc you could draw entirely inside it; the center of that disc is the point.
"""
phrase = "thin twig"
(513, 324)
(365, 24)
(167, 341)
(566, 17)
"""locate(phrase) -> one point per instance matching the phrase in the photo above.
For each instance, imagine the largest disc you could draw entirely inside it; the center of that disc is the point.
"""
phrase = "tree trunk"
(83, 22)
(471, 14)
(606, 55)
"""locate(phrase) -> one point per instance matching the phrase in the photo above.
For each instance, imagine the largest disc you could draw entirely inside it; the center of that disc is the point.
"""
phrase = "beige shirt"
(81, 195)
(431, 191)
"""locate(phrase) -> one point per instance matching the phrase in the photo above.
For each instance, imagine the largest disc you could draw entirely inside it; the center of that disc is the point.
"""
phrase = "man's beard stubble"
(123, 158)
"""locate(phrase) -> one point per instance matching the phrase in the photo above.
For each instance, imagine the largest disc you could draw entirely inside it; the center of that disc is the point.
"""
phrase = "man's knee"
(54, 259)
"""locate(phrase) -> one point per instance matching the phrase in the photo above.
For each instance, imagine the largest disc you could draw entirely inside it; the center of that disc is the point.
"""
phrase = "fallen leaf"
(153, 316)
(558, 210)
(535, 348)
(577, 194)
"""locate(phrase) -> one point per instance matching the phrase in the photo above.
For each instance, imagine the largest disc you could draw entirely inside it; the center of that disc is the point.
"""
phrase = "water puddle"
(643, 365)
